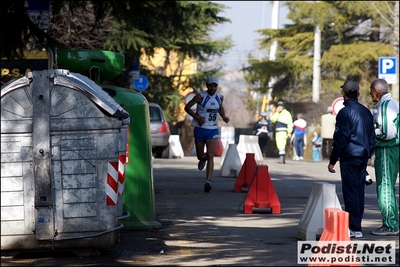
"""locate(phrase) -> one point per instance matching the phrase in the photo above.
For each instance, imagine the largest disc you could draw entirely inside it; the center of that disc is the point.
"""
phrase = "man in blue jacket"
(353, 144)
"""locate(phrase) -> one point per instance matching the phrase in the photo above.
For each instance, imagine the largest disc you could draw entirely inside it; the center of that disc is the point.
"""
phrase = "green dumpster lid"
(98, 65)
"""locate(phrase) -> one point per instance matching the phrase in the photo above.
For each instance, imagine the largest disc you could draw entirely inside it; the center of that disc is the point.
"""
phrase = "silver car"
(159, 130)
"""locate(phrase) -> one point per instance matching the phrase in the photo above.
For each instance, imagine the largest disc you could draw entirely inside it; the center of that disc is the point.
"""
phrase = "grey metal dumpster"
(62, 142)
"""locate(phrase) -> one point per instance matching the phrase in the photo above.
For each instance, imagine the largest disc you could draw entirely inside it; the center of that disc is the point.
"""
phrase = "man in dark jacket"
(263, 129)
(353, 144)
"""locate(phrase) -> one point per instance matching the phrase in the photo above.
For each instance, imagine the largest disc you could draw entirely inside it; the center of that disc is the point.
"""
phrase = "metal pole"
(317, 64)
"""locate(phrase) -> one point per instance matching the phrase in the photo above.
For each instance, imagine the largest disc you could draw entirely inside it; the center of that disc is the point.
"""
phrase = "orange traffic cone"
(219, 149)
(246, 173)
(336, 231)
(261, 193)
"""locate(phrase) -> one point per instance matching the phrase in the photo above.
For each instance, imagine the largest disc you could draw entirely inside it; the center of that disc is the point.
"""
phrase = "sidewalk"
(211, 229)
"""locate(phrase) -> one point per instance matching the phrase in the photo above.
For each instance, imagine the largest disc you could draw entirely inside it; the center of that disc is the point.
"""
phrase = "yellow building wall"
(188, 67)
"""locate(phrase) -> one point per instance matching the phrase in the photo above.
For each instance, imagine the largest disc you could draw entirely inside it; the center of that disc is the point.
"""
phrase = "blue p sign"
(387, 69)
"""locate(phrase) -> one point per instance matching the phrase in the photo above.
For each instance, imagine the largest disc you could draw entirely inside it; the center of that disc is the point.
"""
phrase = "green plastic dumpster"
(98, 65)
(139, 188)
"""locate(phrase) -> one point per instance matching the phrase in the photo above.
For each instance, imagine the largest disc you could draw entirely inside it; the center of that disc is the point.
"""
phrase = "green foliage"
(197, 20)
(354, 34)
(355, 60)
(182, 28)
(164, 94)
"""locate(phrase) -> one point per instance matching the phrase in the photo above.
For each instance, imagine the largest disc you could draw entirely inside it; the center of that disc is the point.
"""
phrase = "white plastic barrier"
(231, 165)
(175, 147)
(226, 147)
(249, 144)
(227, 135)
(312, 222)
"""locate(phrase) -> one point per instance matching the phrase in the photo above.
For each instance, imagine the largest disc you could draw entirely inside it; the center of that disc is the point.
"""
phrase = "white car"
(159, 130)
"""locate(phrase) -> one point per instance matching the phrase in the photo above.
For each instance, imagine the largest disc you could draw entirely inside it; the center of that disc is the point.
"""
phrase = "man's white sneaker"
(355, 234)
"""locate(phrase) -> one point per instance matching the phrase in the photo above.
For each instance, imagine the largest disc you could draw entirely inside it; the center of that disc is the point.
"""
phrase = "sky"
(246, 17)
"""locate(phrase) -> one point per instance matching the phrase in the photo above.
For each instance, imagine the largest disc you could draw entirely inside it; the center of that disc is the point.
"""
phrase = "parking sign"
(387, 69)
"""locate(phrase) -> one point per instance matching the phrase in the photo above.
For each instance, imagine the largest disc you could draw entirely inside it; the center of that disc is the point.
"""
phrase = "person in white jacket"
(386, 162)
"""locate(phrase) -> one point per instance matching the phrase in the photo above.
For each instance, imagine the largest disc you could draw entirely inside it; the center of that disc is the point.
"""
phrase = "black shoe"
(384, 231)
(201, 164)
(207, 187)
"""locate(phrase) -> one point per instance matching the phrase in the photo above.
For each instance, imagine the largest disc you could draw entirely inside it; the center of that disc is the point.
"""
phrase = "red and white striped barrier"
(112, 184)
(121, 174)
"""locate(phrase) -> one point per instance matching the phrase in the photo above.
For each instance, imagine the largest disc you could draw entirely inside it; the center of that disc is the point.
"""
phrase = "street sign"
(387, 69)
(39, 13)
(141, 84)
(337, 105)
(37, 5)
(136, 71)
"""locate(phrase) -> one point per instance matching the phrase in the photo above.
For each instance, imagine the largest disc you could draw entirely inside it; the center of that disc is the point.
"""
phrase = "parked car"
(159, 130)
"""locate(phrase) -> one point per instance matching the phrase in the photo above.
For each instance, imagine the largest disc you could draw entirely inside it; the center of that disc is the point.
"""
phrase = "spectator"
(354, 144)
(295, 156)
(316, 146)
(263, 129)
(327, 129)
(300, 142)
(386, 157)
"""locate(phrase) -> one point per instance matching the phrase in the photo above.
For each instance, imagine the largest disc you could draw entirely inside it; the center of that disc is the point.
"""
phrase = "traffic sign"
(136, 71)
(39, 13)
(141, 84)
(37, 5)
(337, 105)
(387, 69)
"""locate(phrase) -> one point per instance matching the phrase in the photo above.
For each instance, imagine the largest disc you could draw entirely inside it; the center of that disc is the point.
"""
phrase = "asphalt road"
(211, 229)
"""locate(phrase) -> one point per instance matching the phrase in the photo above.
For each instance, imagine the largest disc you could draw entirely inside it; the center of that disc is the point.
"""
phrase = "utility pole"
(258, 83)
(317, 65)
